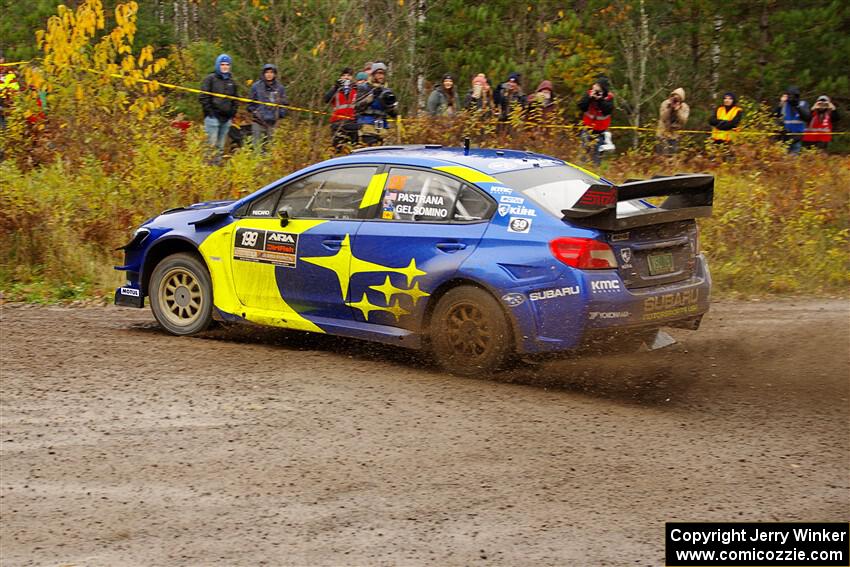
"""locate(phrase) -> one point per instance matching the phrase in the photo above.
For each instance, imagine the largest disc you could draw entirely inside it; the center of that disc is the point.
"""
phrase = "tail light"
(584, 253)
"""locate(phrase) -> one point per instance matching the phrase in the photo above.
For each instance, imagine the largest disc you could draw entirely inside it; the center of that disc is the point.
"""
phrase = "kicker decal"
(266, 246)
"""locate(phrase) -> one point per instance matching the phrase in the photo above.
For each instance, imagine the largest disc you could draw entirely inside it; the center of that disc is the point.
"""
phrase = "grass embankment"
(781, 224)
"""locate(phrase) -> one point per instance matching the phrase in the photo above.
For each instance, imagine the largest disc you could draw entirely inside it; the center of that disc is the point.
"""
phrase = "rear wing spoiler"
(688, 196)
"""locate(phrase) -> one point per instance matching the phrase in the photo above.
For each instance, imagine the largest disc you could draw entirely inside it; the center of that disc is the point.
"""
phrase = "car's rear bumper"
(563, 315)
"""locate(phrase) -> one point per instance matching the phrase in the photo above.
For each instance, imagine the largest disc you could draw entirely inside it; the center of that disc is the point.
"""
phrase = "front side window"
(329, 194)
(419, 195)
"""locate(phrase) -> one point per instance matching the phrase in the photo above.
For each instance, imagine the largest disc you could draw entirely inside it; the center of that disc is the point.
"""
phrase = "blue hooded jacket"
(220, 83)
(223, 58)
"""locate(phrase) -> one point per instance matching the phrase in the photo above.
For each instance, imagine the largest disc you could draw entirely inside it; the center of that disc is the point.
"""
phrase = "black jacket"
(603, 105)
(217, 107)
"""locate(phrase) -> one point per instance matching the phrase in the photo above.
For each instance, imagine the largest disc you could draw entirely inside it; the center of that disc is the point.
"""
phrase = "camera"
(387, 98)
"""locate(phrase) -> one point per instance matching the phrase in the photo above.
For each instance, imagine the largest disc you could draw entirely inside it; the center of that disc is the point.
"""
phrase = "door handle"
(333, 243)
(451, 246)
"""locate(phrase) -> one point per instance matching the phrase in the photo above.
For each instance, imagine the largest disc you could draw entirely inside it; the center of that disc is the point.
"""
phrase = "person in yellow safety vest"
(726, 120)
(9, 87)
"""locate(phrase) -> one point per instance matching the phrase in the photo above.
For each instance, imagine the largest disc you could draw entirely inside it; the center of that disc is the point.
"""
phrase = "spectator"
(9, 88)
(795, 114)
(818, 134)
(375, 102)
(726, 119)
(444, 100)
(360, 78)
(264, 117)
(342, 96)
(218, 111)
(541, 103)
(672, 117)
(597, 104)
(480, 96)
(509, 96)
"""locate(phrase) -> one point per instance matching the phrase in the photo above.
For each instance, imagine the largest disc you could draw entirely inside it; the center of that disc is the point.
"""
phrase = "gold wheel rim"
(180, 297)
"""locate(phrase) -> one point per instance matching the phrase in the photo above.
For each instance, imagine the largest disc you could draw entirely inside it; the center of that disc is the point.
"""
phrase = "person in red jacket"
(818, 132)
(596, 106)
(343, 123)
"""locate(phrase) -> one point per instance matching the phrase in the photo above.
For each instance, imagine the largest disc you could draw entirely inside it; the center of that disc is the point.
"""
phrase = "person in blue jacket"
(265, 116)
(218, 110)
(795, 115)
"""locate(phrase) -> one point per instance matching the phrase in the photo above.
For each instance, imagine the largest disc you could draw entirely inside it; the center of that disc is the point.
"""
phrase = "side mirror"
(284, 217)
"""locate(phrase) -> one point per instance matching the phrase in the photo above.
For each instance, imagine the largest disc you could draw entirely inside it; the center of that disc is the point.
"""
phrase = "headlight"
(139, 236)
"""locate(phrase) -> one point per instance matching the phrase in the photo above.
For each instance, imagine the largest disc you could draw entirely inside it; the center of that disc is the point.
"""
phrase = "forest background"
(105, 157)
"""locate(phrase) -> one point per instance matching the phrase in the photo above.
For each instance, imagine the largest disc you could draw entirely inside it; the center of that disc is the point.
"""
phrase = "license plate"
(660, 263)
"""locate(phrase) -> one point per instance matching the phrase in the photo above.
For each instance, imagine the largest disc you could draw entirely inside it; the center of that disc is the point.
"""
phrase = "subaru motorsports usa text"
(478, 256)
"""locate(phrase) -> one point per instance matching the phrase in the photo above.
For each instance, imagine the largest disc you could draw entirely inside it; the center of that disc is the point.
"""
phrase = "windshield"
(554, 188)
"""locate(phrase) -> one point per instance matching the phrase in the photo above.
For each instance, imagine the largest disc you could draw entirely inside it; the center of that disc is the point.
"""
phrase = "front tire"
(180, 293)
(470, 335)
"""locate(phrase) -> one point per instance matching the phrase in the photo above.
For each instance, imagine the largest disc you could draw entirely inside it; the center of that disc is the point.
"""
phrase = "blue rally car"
(477, 255)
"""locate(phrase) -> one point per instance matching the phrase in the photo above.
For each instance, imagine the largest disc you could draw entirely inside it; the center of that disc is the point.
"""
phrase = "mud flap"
(661, 340)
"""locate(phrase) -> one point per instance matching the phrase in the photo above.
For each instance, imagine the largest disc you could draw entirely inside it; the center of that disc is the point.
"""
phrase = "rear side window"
(553, 188)
(419, 195)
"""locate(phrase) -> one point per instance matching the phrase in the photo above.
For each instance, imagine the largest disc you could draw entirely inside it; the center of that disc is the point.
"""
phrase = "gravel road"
(122, 445)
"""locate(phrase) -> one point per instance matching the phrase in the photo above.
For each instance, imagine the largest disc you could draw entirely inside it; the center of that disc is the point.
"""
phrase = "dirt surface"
(122, 445)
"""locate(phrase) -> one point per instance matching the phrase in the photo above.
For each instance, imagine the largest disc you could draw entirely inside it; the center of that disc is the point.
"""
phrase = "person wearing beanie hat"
(444, 100)
(508, 97)
(374, 103)
(794, 114)
(541, 103)
(480, 96)
(727, 117)
(818, 132)
(218, 111)
(361, 78)
(672, 117)
(342, 96)
(267, 91)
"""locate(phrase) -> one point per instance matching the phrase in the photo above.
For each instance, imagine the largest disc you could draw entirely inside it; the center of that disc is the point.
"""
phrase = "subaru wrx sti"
(478, 256)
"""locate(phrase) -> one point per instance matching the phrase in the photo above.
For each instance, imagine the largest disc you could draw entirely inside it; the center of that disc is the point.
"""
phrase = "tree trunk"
(715, 55)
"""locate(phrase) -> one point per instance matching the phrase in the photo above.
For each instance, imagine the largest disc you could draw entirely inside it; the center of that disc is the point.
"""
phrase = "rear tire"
(470, 335)
(180, 293)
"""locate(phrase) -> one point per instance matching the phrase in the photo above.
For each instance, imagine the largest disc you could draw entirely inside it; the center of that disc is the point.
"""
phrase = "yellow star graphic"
(397, 310)
(366, 307)
(415, 293)
(388, 289)
(410, 272)
(345, 265)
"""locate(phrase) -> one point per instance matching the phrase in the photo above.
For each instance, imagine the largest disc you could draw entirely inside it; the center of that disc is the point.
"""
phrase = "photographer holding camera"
(342, 96)
(818, 133)
(375, 102)
(795, 114)
(597, 105)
